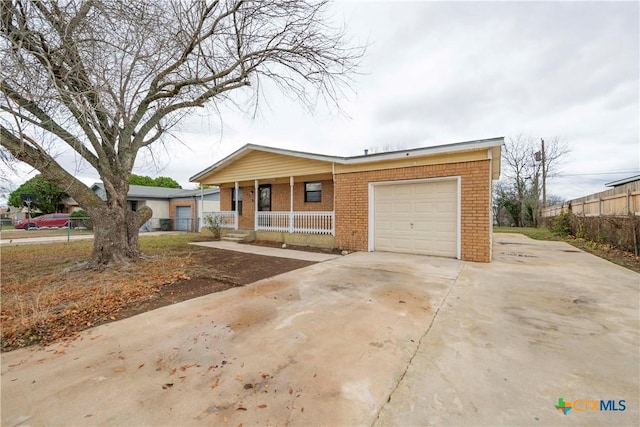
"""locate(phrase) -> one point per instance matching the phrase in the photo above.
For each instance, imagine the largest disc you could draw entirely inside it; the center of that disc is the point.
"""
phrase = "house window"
(312, 192)
(133, 205)
(233, 200)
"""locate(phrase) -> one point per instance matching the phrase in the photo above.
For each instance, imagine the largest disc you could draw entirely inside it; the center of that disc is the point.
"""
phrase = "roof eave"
(415, 152)
(254, 147)
(429, 151)
(623, 181)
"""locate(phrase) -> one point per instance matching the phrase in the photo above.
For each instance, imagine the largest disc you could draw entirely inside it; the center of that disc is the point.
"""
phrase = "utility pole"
(544, 177)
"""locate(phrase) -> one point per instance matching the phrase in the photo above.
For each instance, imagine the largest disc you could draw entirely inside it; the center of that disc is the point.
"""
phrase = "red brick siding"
(326, 201)
(225, 199)
(246, 220)
(280, 198)
(352, 204)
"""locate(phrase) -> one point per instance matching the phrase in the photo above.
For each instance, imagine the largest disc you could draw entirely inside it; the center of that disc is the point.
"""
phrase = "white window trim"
(372, 201)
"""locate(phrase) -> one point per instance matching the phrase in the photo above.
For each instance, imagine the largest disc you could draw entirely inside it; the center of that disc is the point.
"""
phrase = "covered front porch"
(285, 205)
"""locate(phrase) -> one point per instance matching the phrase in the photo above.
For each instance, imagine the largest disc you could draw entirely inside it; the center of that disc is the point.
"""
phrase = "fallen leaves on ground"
(41, 303)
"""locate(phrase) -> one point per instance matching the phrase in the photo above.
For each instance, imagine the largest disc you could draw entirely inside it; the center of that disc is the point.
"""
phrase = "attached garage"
(417, 216)
(428, 201)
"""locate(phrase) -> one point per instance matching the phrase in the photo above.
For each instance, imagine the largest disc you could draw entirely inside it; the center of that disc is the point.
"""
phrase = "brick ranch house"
(431, 201)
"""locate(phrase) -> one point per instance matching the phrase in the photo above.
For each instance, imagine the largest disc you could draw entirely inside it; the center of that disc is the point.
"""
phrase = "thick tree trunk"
(115, 235)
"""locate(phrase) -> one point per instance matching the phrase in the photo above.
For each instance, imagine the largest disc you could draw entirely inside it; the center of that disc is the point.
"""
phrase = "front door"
(264, 197)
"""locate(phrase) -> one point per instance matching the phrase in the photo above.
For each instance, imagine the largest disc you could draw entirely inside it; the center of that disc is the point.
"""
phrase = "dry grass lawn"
(40, 303)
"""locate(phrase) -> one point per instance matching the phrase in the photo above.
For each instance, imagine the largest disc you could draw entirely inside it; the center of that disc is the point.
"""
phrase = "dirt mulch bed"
(228, 270)
(271, 244)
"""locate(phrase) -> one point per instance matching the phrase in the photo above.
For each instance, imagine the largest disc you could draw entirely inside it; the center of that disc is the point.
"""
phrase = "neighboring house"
(432, 201)
(16, 214)
(631, 182)
(67, 205)
(184, 208)
(5, 216)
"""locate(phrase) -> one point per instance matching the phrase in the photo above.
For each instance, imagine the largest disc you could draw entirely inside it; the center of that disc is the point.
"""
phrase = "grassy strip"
(534, 233)
(30, 234)
(616, 256)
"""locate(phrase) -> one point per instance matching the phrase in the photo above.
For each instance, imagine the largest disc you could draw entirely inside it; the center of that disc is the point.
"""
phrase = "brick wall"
(280, 198)
(246, 220)
(225, 199)
(352, 204)
(325, 204)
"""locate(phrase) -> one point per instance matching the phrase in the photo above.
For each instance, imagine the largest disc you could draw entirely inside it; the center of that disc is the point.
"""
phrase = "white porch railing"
(273, 221)
(228, 219)
(296, 222)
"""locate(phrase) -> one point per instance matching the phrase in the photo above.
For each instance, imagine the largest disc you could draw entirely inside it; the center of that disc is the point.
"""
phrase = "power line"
(596, 173)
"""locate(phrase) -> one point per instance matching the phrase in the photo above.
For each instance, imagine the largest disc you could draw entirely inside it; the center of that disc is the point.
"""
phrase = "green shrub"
(580, 231)
(79, 214)
(80, 218)
(214, 224)
(561, 224)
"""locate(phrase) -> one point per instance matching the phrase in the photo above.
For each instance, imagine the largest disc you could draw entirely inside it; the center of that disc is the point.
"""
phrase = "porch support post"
(255, 202)
(200, 216)
(235, 207)
(290, 204)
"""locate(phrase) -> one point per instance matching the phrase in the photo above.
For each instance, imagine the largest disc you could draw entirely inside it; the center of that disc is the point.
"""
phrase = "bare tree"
(521, 186)
(107, 78)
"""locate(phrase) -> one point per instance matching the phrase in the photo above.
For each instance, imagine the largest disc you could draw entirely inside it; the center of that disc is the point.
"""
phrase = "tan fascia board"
(428, 151)
(415, 152)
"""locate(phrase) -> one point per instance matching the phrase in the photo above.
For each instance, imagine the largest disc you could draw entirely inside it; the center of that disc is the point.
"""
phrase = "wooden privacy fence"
(611, 217)
(619, 201)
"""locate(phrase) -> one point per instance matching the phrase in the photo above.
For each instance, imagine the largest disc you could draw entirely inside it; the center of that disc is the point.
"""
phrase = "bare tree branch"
(109, 77)
(521, 186)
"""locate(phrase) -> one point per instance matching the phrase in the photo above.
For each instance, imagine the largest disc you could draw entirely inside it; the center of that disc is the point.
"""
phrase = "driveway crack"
(406, 369)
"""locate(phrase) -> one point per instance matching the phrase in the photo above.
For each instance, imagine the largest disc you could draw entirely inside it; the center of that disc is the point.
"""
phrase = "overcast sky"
(444, 72)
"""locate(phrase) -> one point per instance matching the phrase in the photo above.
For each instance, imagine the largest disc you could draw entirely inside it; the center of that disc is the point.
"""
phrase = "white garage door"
(416, 217)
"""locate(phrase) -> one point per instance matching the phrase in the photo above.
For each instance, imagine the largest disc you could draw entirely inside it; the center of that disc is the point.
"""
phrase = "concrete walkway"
(268, 251)
(367, 338)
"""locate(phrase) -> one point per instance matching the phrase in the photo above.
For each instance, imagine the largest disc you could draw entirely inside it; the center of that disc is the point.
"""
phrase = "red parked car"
(48, 220)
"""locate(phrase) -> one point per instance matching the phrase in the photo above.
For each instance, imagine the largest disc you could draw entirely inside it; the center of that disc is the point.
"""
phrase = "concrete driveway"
(369, 338)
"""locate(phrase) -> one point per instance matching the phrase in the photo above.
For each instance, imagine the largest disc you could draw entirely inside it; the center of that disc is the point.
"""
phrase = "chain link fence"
(85, 224)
